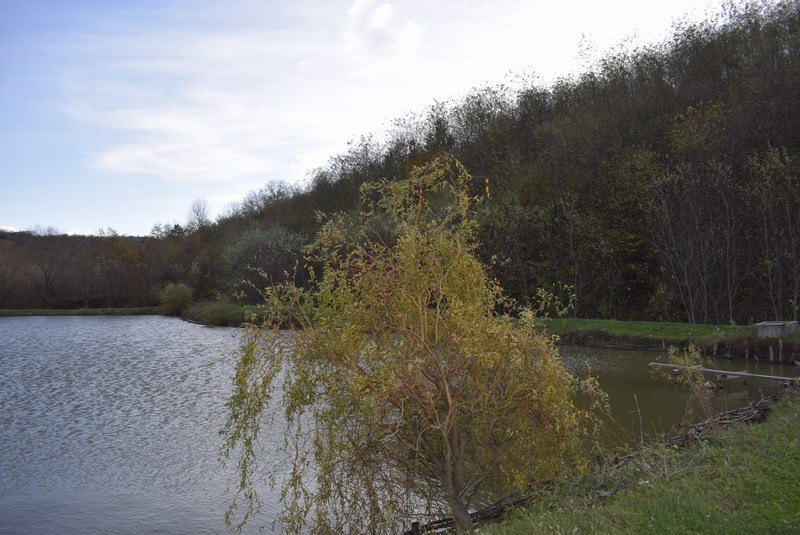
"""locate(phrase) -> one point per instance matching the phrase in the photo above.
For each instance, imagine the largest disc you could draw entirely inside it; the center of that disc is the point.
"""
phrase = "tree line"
(662, 183)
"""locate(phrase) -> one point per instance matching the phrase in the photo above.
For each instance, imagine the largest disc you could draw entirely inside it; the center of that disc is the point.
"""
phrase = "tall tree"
(777, 199)
(198, 216)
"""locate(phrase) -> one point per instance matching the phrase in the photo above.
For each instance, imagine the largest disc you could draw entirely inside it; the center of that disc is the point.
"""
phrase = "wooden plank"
(725, 373)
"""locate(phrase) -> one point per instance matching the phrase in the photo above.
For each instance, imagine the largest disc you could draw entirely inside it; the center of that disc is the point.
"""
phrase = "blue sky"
(119, 114)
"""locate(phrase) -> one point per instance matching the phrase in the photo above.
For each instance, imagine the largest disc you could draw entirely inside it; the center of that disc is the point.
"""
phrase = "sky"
(120, 114)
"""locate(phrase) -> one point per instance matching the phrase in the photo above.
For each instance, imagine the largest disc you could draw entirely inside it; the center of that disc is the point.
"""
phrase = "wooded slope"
(662, 184)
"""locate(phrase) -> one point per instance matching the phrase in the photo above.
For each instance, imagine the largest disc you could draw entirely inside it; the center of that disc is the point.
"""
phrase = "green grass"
(649, 330)
(81, 311)
(743, 480)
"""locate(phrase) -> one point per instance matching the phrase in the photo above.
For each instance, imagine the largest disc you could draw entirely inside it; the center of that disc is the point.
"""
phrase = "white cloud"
(76, 231)
(372, 31)
(208, 106)
(247, 93)
(381, 16)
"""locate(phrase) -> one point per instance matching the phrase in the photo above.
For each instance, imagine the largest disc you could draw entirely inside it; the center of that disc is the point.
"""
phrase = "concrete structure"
(775, 329)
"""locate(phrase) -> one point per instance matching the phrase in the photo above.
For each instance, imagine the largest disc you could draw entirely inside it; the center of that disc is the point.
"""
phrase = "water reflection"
(642, 406)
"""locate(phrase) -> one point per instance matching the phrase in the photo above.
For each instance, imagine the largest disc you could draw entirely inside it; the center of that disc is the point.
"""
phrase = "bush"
(261, 257)
(174, 298)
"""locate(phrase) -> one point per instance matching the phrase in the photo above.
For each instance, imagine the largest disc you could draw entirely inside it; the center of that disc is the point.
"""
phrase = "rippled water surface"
(111, 425)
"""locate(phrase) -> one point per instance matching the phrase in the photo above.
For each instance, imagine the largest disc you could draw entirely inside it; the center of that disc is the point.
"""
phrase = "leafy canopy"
(404, 391)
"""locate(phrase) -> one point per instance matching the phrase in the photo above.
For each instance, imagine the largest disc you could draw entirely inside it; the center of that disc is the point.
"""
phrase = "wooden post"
(415, 528)
(715, 348)
(771, 354)
(780, 349)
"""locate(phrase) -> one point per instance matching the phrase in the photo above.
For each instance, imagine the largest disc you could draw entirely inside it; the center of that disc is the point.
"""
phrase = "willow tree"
(404, 391)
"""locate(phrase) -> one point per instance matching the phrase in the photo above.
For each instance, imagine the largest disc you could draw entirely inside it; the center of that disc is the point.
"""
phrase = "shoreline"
(722, 341)
(716, 477)
(111, 311)
(510, 512)
(211, 314)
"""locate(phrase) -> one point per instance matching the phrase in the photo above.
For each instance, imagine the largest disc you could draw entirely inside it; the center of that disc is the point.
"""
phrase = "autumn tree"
(49, 263)
(404, 391)
(260, 257)
(777, 202)
(6, 280)
(198, 216)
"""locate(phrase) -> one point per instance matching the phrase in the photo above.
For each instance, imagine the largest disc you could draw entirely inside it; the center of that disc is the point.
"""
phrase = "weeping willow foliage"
(404, 391)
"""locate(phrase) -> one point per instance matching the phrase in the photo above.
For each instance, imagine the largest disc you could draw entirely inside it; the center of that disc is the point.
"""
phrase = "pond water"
(642, 405)
(111, 424)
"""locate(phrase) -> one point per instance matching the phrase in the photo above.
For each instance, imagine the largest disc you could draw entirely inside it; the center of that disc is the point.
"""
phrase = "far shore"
(119, 311)
(210, 313)
(734, 341)
(731, 341)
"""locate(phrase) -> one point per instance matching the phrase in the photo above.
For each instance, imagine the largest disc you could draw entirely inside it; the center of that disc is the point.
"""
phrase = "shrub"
(174, 298)
(261, 257)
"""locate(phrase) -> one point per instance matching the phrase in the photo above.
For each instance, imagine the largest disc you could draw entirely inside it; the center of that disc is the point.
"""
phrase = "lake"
(110, 424)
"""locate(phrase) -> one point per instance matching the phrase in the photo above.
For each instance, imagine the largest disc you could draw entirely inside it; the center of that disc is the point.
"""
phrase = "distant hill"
(664, 183)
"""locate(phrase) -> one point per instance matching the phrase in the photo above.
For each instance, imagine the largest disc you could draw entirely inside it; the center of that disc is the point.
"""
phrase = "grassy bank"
(671, 333)
(218, 313)
(742, 480)
(728, 340)
(128, 311)
(204, 312)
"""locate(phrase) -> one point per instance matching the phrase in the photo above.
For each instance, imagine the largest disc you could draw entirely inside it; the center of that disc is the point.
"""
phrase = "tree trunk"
(461, 516)
(455, 478)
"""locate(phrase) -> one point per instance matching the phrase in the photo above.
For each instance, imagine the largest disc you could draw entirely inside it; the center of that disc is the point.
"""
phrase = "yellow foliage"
(405, 392)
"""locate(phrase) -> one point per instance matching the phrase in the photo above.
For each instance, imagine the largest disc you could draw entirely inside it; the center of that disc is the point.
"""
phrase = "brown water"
(644, 406)
(110, 424)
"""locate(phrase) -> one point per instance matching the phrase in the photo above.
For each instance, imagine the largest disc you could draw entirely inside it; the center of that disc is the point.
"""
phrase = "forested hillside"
(662, 184)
